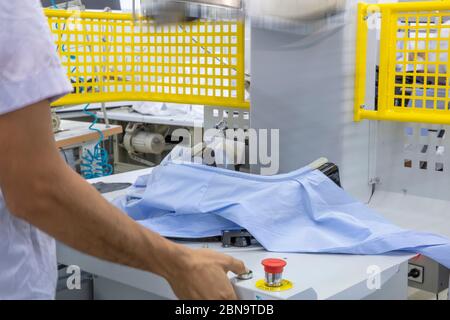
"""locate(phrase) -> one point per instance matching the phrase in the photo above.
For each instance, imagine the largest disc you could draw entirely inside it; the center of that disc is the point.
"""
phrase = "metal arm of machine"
(178, 11)
(172, 11)
(294, 10)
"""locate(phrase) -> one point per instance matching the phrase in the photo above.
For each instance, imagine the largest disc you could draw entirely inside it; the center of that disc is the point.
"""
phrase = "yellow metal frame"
(425, 99)
(112, 57)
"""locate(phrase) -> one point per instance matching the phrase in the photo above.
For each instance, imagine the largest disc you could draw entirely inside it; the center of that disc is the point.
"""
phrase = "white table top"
(178, 120)
(76, 111)
(332, 276)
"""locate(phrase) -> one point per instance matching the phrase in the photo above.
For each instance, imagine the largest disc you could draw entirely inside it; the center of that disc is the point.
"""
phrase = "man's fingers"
(236, 266)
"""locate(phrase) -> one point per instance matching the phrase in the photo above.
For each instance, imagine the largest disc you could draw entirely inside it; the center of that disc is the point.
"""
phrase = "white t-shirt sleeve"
(30, 70)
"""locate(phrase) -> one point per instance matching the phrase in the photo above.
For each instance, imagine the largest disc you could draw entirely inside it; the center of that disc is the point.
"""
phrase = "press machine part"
(138, 139)
(110, 187)
(56, 122)
(236, 238)
(179, 11)
(331, 171)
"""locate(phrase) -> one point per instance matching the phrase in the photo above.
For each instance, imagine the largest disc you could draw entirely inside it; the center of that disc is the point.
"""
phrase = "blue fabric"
(303, 211)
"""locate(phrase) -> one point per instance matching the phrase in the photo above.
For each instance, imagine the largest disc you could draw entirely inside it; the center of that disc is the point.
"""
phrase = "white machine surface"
(176, 120)
(315, 276)
(76, 111)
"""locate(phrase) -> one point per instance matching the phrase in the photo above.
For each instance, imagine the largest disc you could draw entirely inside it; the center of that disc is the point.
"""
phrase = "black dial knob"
(414, 273)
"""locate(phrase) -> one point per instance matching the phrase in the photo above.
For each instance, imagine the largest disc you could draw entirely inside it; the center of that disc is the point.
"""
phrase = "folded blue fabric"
(303, 211)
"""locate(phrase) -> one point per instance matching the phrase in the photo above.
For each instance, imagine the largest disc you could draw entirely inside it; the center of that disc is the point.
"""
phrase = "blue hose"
(95, 164)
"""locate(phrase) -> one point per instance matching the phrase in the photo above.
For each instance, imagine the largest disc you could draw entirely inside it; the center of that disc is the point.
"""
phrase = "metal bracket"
(236, 238)
(143, 161)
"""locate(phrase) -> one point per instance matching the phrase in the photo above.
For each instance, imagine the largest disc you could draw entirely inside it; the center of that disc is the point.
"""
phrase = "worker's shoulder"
(20, 10)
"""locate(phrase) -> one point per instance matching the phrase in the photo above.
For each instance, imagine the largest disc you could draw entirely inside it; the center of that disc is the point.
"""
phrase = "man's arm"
(40, 188)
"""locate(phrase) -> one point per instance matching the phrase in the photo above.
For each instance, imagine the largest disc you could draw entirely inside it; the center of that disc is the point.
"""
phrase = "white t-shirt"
(30, 71)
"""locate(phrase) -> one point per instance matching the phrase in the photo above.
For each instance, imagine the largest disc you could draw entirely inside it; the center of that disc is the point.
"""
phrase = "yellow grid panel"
(111, 57)
(414, 77)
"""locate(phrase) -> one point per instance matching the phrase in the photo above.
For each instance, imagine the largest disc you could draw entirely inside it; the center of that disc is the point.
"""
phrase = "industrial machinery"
(176, 11)
(145, 143)
(56, 122)
(303, 84)
(385, 163)
(402, 51)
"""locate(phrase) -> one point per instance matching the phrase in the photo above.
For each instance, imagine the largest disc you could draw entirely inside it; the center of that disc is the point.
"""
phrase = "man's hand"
(202, 274)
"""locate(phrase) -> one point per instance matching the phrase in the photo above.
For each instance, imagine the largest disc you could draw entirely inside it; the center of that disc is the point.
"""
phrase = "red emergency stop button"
(273, 265)
(274, 272)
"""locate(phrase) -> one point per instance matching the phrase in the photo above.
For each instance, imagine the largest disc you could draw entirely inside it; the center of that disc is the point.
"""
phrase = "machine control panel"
(415, 273)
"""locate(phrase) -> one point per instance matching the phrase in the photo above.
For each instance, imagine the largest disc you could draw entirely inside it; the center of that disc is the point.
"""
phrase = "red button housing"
(273, 265)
